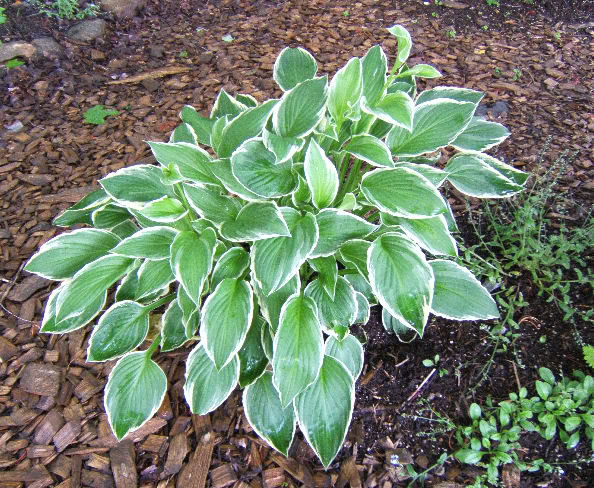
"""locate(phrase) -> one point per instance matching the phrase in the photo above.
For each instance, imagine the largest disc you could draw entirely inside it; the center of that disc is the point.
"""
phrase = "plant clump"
(317, 206)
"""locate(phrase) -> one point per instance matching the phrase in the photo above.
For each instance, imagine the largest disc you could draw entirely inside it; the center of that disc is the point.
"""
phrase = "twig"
(517, 377)
(5, 294)
(416, 392)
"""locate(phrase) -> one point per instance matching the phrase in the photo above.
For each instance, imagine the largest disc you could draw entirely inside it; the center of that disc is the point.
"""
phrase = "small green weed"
(346, 13)
(498, 72)
(438, 3)
(183, 54)
(228, 38)
(435, 14)
(492, 3)
(2, 15)
(13, 63)
(588, 354)
(451, 34)
(517, 74)
(65, 9)
(97, 114)
(557, 35)
(485, 27)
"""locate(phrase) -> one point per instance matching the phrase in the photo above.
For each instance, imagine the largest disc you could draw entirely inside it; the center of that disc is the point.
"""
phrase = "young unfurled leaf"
(404, 42)
(252, 358)
(321, 176)
(293, 66)
(344, 91)
(173, 334)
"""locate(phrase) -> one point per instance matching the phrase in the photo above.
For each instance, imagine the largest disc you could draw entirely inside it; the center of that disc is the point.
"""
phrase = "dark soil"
(57, 159)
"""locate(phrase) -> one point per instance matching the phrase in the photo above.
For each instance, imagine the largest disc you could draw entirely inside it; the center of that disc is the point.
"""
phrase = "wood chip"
(195, 473)
(153, 443)
(98, 462)
(294, 468)
(41, 379)
(349, 474)
(273, 477)
(123, 465)
(40, 451)
(178, 449)
(223, 475)
(67, 435)
(7, 349)
(26, 288)
(94, 479)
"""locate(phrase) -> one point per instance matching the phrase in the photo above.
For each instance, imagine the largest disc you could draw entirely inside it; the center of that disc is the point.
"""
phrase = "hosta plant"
(266, 231)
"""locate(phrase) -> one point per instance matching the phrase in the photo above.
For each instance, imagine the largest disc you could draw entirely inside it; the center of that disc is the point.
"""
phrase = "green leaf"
(340, 311)
(134, 392)
(149, 243)
(370, 149)
(136, 185)
(515, 175)
(271, 305)
(191, 160)
(436, 124)
(276, 260)
(80, 212)
(572, 423)
(588, 352)
(64, 255)
(337, 227)
(109, 216)
(473, 176)
(252, 359)
(221, 168)
(435, 175)
(152, 277)
(431, 234)
(206, 387)
(394, 325)
(348, 351)
(293, 66)
(394, 108)
(255, 167)
(301, 108)
(173, 334)
(374, 67)
(225, 104)
(469, 456)
(89, 284)
(354, 253)
(401, 279)
(459, 295)
(243, 127)
(547, 375)
(361, 285)
(49, 324)
(202, 126)
(321, 176)
(256, 221)
(402, 192)
(164, 210)
(543, 389)
(190, 311)
(298, 346)
(404, 42)
(325, 408)
(344, 91)
(226, 318)
(217, 131)
(267, 341)
(207, 201)
(363, 308)
(420, 70)
(452, 93)
(121, 329)
(191, 261)
(232, 264)
(283, 147)
(184, 133)
(264, 412)
(247, 100)
(96, 115)
(480, 135)
(475, 411)
(327, 270)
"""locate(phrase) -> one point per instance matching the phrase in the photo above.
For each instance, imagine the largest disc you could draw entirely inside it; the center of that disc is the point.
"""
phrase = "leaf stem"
(156, 341)
(180, 193)
(166, 299)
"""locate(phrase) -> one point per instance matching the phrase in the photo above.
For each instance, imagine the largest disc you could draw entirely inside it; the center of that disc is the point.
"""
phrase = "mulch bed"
(53, 428)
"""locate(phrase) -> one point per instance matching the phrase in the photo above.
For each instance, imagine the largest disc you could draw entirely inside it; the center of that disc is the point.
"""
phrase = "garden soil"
(534, 63)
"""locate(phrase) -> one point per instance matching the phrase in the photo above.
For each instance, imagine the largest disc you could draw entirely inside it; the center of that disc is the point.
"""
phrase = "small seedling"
(2, 15)
(97, 114)
(13, 63)
(435, 14)
(493, 3)
(228, 38)
(184, 54)
(498, 72)
(346, 13)
(517, 74)
(557, 35)
(431, 363)
(485, 27)
(438, 3)
(451, 34)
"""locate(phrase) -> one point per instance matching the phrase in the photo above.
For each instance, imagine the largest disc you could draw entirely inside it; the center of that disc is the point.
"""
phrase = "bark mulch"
(534, 62)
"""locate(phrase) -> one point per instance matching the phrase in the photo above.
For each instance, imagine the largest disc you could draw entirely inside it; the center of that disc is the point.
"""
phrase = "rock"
(15, 126)
(482, 110)
(97, 55)
(87, 30)
(15, 49)
(41, 85)
(454, 4)
(511, 476)
(123, 8)
(47, 47)
(157, 51)
(150, 84)
(499, 108)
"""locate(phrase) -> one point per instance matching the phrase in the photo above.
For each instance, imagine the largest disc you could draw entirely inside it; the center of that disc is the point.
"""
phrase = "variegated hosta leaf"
(301, 108)
(226, 318)
(293, 66)
(184, 133)
(404, 42)
(393, 325)
(363, 308)
(435, 125)
(337, 227)
(472, 175)
(321, 176)
(361, 285)
(190, 312)
(225, 104)
(266, 415)
(134, 392)
(80, 212)
(207, 201)
(401, 279)
(348, 351)
(275, 261)
(173, 333)
(202, 126)
(152, 277)
(252, 358)
(149, 243)
(451, 92)
(109, 216)
(327, 270)
(221, 168)
(459, 295)
(431, 234)
(298, 348)
(325, 408)
(374, 67)
(336, 314)
(345, 91)
(283, 147)
(435, 175)
(354, 254)
(256, 221)
(231, 264)
(206, 387)
(64, 255)
(394, 108)
(421, 71)
(272, 304)
(191, 260)
(403, 193)
(191, 161)
(165, 210)
(480, 135)
(370, 149)
(255, 167)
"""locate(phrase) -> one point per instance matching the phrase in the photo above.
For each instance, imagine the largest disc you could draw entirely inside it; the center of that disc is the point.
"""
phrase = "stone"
(15, 49)
(123, 8)
(47, 47)
(157, 51)
(499, 108)
(87, 30)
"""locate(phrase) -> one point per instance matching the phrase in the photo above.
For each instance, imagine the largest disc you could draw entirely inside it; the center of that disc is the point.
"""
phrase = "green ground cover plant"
(65, 9)
(317, 206)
